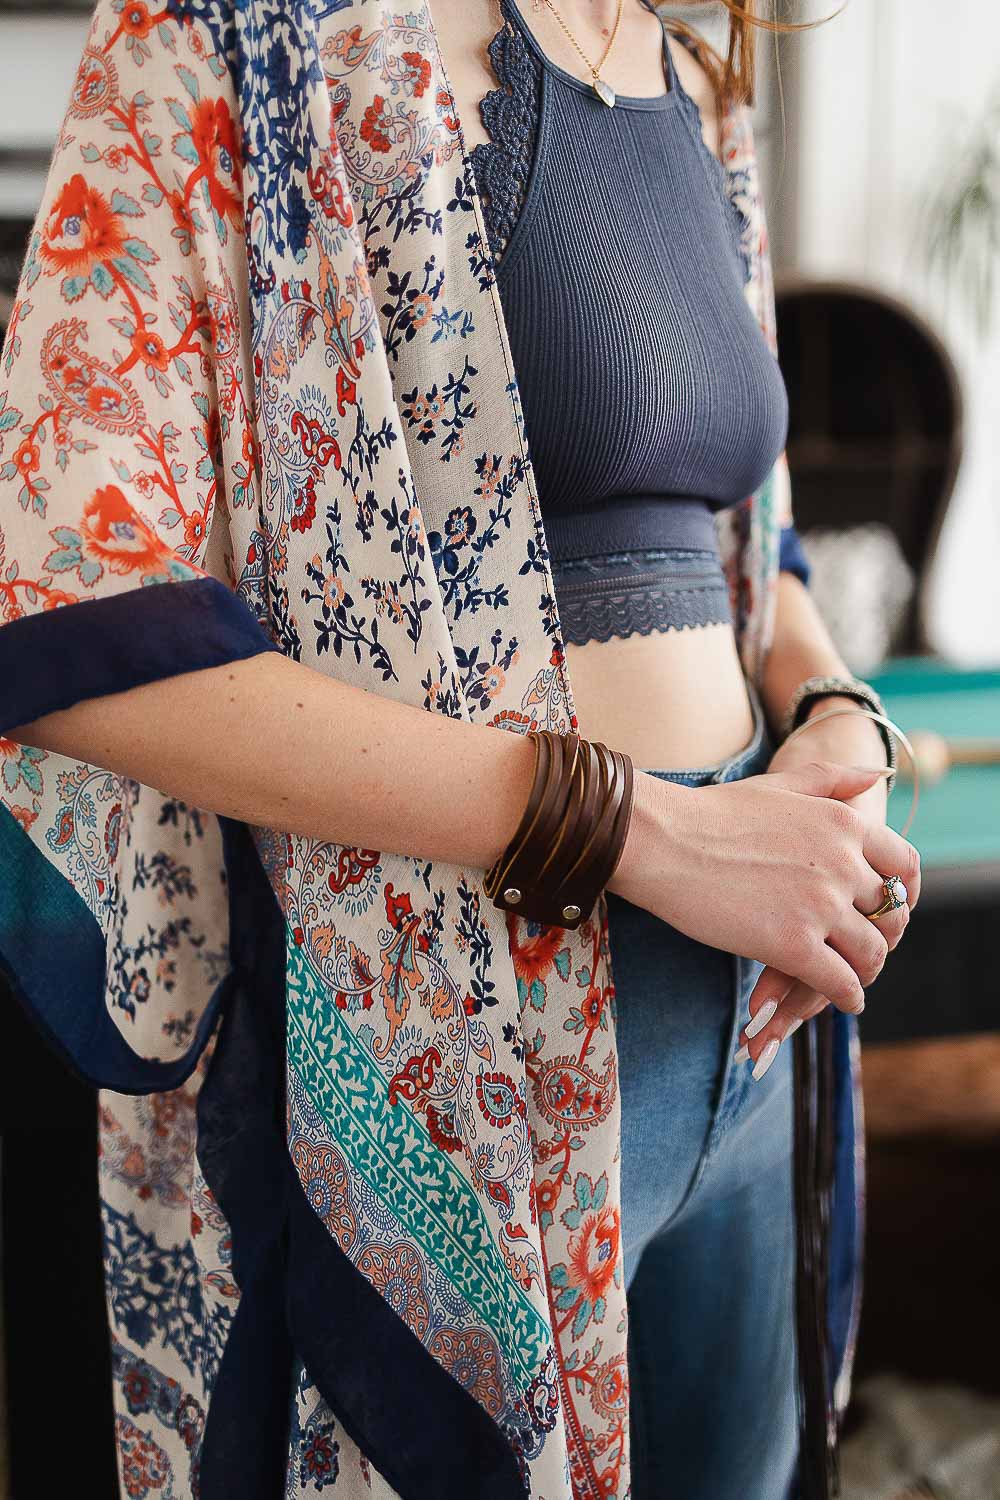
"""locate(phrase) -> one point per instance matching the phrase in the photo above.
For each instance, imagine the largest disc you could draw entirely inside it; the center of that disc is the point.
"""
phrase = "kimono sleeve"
(742, 172)
(126, 442)
(125, 425)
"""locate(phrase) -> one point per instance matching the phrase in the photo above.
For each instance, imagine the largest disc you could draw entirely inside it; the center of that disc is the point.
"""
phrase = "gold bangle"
(887, 723)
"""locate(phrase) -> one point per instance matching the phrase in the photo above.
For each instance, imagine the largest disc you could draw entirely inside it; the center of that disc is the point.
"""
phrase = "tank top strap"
(669, 70)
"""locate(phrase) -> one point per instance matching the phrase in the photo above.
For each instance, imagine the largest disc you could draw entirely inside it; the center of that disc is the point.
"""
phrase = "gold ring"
(895, 896)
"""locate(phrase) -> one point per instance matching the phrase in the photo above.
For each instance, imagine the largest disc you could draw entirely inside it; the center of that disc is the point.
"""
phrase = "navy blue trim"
(791, 557)
(241, 1151)
(52, 660)
(421, 1429)
(53, 955)
(300, 1293)
(844, 1266)
(52, 948)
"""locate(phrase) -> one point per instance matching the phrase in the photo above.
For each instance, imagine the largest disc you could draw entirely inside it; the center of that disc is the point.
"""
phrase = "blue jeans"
(707, 1209)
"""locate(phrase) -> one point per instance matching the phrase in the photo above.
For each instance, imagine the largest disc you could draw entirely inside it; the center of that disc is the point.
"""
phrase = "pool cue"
(936, 754)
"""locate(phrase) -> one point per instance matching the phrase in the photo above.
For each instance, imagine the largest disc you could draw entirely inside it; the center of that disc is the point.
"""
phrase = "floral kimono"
(359, 1155)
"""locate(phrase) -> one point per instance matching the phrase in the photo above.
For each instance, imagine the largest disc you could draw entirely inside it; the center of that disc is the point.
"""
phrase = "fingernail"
(875, 770)
(794, 1026)
(741, 1055)
(766, 1058)
(761, 1019)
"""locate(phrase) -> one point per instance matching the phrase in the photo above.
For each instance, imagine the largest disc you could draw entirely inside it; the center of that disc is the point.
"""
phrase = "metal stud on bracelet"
(512, 895)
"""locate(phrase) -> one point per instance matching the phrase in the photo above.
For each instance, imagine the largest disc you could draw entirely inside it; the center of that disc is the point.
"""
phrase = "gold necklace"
(603, 90)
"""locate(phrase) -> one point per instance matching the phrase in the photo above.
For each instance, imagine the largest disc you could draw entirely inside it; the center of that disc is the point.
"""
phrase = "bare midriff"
(672, 700)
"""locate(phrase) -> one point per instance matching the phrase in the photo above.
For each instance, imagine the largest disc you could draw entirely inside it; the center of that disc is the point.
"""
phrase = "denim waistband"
(750, 761)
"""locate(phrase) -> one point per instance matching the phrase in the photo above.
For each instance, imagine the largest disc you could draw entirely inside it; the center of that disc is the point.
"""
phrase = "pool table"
(944, 979)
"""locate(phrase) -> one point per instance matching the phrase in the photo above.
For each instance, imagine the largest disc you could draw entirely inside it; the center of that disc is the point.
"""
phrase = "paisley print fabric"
(359, 1160)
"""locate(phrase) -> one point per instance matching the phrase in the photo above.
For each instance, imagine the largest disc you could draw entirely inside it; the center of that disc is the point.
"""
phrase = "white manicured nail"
(766, 1058)
(741, 1055)
(761, 1019)
(794, 1027)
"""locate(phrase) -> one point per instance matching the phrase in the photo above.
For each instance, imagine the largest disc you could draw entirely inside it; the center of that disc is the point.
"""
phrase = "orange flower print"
(547, 1196)
(581, 1286)
(81, 231)
(592, 1008)
(27, 458)
(593, 1252)
(116, 535)
(214, 138)
(136, 20)
(533, 955)
(57, 598)
(376, 124)
(150, 349)
(420, 309)
(418, 72)
(492, 684)
(195, 530)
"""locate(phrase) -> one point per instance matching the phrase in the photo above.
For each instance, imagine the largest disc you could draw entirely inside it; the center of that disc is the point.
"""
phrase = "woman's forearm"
(802, 648)
(279, 745)
(273, 743)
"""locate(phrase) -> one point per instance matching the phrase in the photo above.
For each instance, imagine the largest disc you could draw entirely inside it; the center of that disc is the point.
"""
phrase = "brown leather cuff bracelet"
(571, 834)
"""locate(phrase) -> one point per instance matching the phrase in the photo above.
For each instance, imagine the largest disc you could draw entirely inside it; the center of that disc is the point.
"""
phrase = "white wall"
(38, 61)
(882, 95)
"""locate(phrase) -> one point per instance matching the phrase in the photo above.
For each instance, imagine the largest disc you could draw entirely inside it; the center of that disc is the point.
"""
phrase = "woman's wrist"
(851, 735)
(659, 810)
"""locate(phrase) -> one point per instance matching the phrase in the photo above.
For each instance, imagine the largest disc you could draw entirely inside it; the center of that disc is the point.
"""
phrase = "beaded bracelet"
(812, 688)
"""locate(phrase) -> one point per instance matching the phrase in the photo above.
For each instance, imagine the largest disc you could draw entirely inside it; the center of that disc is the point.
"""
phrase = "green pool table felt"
(958, 818)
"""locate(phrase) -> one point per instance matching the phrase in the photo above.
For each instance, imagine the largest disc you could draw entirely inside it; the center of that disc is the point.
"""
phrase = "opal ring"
(895, 896)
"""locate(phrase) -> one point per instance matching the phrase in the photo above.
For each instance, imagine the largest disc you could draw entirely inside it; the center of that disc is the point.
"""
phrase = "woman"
(270, 333)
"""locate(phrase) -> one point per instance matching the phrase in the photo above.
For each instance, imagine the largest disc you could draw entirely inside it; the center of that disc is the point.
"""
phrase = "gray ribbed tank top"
(650, 396)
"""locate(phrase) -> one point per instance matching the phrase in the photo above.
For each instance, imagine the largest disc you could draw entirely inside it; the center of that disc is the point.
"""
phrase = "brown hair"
(733, 76)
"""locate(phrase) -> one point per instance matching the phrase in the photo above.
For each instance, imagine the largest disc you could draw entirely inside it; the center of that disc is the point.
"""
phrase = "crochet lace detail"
(596, 611)
(502, 166)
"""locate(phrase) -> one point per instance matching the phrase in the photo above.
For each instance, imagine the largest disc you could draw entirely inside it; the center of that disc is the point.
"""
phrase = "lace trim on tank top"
(502, 165)
(510, 113)
(635, 593)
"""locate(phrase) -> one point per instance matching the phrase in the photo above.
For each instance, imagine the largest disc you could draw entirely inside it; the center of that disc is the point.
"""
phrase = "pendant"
(604, 92)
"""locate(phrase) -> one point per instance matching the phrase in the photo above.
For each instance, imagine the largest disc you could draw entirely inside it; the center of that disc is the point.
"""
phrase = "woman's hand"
(779, 1004)
(776, 867)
